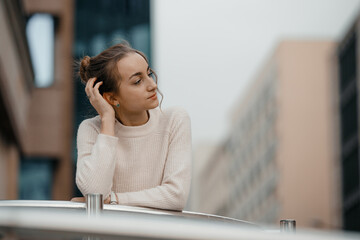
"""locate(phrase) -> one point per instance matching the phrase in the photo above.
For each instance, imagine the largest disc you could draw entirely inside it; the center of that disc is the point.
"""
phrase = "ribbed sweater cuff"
(123, 198)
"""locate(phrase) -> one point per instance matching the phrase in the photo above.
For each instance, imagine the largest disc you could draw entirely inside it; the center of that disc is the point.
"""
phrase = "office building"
(348, 107)
(282, 151)
(36, 118)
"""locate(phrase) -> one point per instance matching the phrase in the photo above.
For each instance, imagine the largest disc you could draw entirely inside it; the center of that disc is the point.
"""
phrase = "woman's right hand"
(104, 109)
(97, 101)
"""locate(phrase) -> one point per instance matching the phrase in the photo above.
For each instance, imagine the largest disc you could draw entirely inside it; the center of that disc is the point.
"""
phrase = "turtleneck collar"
(138, 131)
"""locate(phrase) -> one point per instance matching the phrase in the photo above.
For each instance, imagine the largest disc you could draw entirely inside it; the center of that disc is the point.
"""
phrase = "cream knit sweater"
(147, 165)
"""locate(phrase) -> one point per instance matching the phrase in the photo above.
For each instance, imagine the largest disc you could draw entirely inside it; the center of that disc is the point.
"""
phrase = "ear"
(110, 98)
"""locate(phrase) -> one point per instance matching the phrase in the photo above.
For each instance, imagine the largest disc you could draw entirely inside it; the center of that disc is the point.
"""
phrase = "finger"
(89, 87)
(96, 89)
(78, 199)
(90, 83)
(107, 200)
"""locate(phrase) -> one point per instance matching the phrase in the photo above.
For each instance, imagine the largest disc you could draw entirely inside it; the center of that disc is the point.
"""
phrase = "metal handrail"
(121, 208)
(17, 222)
(42, 203)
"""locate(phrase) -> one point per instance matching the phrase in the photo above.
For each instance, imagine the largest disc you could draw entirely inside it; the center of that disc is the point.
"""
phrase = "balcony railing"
(25, 219)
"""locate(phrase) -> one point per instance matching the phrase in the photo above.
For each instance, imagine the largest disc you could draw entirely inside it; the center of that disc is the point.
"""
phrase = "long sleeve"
(175, 186)
(96, 160)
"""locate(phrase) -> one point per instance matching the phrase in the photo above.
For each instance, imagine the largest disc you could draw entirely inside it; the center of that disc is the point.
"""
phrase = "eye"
(151, 74)
(138, 82)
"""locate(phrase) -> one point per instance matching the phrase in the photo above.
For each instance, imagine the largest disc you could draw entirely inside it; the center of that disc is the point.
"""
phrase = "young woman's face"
(137, 88)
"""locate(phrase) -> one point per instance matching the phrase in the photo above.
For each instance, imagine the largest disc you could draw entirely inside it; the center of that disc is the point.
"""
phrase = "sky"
(207, 52)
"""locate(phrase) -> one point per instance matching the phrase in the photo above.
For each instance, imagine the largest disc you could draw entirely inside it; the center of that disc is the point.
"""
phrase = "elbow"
(177, 196)
(86, 187)
(180, 205)
(81, 186)
(182, 201)
(178, 201)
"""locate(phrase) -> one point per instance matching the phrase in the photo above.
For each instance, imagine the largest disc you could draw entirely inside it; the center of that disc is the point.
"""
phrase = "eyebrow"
(138, 73)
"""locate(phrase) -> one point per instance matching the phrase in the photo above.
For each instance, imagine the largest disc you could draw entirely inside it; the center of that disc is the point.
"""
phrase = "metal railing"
(93, 206)
(20, 219)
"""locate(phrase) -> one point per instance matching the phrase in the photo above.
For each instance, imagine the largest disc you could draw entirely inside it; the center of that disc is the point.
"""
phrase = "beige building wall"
(201, 183)
(282, 150)
(306, 154)
(212, 181)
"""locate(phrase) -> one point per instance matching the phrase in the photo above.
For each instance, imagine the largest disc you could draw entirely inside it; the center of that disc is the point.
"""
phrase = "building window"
(36, 174)
(40, 33)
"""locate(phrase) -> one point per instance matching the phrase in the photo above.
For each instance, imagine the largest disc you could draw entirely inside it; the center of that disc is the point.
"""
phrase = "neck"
(132, 118)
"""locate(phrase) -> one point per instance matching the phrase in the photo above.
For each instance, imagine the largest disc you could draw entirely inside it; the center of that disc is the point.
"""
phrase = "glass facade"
(36, 174)
(349, 134)
(100, 24)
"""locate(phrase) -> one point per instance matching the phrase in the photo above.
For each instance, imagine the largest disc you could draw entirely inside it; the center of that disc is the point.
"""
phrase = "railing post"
(94, 204)
(288, 225)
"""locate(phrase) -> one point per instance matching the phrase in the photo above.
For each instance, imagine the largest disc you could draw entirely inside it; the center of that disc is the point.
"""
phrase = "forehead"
(130, 64)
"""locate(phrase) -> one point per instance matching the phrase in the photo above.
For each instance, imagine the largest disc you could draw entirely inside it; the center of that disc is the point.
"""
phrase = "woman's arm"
(95, 163)
(96, 147)
(174, 190)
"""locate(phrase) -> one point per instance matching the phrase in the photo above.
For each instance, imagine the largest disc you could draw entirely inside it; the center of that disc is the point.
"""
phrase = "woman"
(132, 152)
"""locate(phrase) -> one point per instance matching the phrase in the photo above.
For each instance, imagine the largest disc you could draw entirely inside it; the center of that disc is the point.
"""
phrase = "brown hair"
(103, 67)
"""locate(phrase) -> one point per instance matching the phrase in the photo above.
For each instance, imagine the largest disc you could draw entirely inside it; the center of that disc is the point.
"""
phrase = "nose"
(152, 86)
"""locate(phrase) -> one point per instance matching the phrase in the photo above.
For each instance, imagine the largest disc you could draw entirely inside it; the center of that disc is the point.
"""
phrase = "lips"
(152, 96)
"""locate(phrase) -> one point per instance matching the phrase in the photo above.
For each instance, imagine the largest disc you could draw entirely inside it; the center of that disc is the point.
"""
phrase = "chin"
(154, 105)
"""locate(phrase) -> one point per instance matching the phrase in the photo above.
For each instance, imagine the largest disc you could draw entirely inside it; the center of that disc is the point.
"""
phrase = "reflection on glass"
(40, 36)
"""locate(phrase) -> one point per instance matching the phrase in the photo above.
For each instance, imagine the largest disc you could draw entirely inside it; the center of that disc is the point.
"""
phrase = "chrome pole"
(94, 204)
(288, 225)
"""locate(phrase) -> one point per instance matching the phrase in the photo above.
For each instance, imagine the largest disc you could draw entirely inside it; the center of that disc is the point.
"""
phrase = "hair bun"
(85, 62)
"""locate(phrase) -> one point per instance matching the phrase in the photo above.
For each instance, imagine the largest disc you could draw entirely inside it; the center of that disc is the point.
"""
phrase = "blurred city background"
(271, 88)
